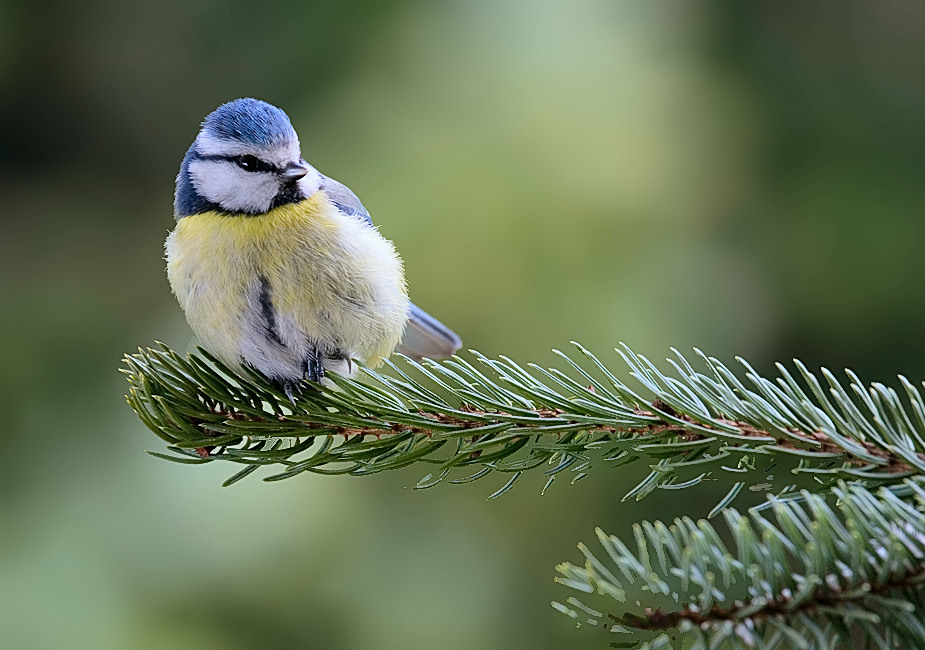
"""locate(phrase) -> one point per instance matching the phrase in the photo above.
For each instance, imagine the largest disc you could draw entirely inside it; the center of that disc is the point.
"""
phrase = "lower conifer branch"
(781, 606)
(858, 568)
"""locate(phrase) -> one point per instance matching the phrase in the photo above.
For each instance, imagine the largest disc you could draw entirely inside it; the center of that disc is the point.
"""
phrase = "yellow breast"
(333, 279)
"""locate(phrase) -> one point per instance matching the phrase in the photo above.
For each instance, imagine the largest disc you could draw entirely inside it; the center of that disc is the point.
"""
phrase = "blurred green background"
(742, 177)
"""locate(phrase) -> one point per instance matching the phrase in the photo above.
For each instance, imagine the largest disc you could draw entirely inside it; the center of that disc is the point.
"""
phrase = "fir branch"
(689, 427)
(817, 578)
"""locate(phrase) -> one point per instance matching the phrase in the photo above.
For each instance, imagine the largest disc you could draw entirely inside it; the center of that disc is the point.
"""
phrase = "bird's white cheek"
(233, 188)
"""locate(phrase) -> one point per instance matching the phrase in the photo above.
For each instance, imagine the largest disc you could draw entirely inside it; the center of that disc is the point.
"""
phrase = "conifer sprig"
(688, 427)
(815, 577)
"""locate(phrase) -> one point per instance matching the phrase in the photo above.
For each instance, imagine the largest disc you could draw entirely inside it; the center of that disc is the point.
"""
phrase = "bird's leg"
(313, 365)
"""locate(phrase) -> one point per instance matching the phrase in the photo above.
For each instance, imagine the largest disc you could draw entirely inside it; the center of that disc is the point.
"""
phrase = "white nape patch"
(234, 189)
(278, 154)
(311, 182)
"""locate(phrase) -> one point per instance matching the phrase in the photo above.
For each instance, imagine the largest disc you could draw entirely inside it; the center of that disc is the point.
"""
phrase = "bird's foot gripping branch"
(816, 575)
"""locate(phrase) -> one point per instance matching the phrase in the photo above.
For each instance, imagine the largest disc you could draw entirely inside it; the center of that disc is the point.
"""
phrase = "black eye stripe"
(247, 163)
(253, 164)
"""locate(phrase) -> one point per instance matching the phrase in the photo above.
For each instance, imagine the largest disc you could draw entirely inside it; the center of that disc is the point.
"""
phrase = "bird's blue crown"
(249, 120)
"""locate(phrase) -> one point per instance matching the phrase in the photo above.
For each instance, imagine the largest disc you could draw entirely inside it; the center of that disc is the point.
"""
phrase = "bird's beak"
(294, 171)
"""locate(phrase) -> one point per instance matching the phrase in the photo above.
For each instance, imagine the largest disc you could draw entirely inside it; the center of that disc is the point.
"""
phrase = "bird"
(278, 267)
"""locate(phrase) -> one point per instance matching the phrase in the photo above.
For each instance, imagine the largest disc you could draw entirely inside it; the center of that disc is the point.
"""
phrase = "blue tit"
(278, 266)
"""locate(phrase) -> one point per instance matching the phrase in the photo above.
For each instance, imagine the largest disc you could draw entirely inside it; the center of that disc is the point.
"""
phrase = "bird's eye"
(248, 163)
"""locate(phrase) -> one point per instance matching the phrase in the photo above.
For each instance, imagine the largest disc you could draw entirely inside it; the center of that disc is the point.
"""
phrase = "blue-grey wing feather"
(344, 198)
(424, 335)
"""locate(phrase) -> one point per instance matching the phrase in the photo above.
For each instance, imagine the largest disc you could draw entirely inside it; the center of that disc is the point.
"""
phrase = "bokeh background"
(743, 177)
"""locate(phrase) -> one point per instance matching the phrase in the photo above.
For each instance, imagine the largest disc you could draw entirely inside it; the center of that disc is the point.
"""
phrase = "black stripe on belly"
(266, 309)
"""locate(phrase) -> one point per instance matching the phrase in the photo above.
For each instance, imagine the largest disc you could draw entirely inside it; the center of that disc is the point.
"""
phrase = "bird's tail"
(425, 336)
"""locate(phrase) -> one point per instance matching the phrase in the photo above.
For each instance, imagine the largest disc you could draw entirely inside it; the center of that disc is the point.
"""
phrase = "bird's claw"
(291, 388)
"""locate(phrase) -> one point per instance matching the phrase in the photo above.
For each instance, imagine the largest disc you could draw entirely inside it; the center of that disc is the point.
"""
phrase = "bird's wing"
(425, 336)
(344, 198)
